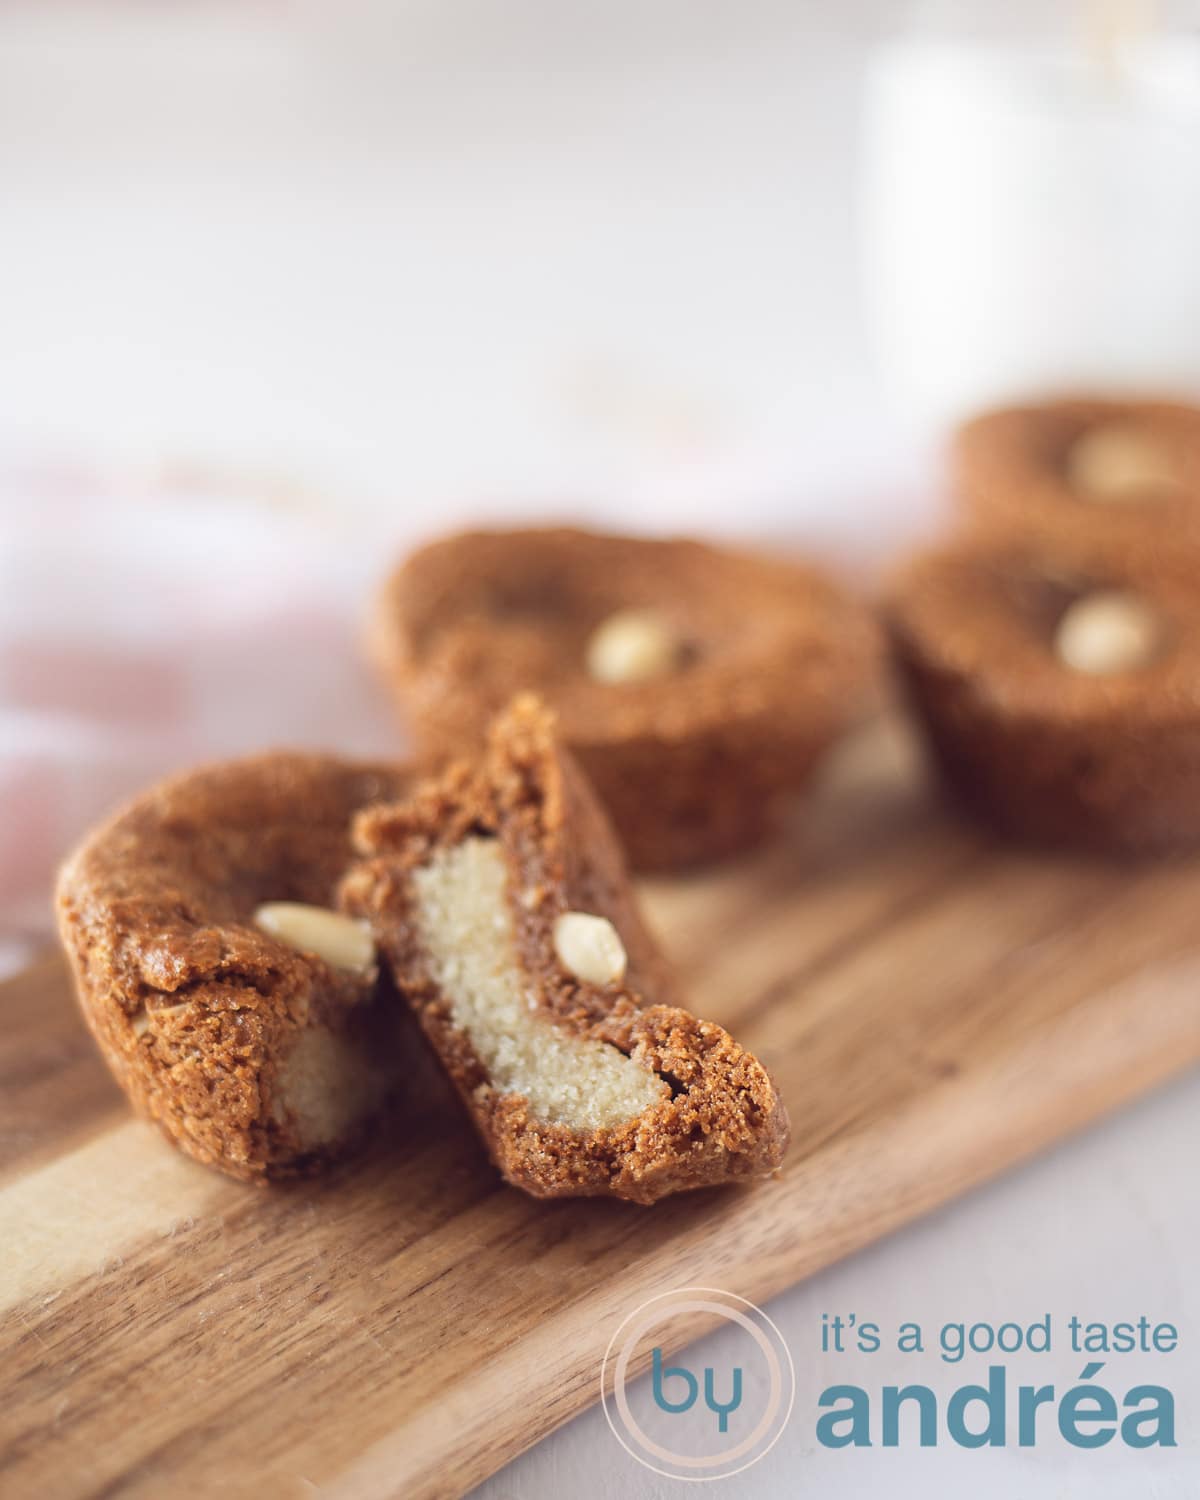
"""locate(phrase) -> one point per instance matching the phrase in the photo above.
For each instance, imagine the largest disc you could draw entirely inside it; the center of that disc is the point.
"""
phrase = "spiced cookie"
(1059, 684)
(695, 685)
(234, 1006)
(499, 897)
(1089, 467)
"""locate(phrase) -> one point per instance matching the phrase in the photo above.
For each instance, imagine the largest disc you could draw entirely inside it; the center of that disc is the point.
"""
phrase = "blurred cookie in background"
(1058, 684)
(698, 686)
(1126, 470)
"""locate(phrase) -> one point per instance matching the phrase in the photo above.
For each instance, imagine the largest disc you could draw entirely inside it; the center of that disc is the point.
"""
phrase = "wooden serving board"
(934, 1010)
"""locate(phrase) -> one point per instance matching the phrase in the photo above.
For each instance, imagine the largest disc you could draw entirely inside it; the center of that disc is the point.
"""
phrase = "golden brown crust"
(689, 766)
(724, 1120)
(1049, 754)
(1010, 467)
(191, 1004)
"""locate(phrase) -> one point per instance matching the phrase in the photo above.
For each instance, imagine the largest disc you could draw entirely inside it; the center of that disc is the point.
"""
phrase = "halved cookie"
(233, 1005)
(1123, 470)
(1059, 685)
(499, 896)
(696, 685)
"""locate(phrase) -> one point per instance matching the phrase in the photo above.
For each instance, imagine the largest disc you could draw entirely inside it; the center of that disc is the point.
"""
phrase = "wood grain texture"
(933, 1008)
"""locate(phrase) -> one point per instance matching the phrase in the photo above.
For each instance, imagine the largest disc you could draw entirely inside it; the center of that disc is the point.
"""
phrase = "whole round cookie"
(233, 1005)
(1059, 685)
(1085, 466)
(695, 684)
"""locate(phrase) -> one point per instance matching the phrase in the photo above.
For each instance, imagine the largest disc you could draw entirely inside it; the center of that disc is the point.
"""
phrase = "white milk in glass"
(1031, 215)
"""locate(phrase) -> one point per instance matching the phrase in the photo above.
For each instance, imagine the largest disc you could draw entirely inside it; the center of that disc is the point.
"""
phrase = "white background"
(449, 257)
(452, 257)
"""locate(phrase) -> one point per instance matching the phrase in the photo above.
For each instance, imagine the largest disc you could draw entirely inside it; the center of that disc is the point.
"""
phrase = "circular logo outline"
(729, 1314)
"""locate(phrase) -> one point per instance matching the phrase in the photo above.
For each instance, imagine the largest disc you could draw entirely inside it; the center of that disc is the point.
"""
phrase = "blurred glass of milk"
(1031, 203)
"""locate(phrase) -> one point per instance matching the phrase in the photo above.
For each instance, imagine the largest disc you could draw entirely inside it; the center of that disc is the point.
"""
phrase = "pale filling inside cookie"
(466, 930)
(325, 1085)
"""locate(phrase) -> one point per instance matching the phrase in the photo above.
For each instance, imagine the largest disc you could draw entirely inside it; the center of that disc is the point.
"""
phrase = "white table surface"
(463, 258)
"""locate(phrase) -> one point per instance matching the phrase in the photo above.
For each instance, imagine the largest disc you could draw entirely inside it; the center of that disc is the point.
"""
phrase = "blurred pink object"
(144, 629)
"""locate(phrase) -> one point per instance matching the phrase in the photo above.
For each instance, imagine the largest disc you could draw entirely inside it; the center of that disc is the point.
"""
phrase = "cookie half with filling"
(499, 897)
(697, 686)
(1089, 467)
(233, 1004)
(1059, 686)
